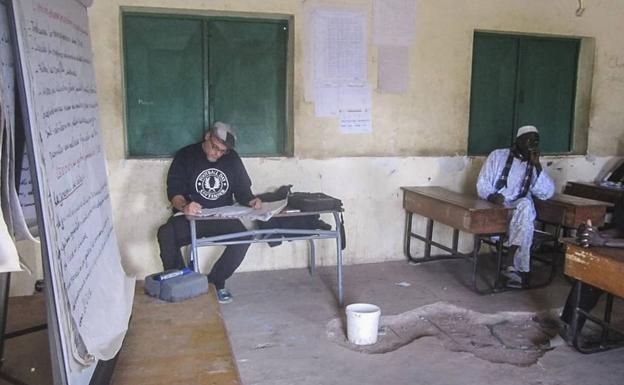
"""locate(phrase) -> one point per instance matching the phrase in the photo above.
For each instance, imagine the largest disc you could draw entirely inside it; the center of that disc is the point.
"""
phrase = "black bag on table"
(303, 201)
(306, 201)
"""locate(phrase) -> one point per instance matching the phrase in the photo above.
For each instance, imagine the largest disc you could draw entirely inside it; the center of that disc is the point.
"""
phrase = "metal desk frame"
(604, 343)
(453, 251)
(461, 212)
(264, 236)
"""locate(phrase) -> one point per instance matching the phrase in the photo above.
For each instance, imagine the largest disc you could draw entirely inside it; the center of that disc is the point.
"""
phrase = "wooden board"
(593, 191)
(27, 357)
(571, 211)
(602, 267)
(460, 211)
(176, 343)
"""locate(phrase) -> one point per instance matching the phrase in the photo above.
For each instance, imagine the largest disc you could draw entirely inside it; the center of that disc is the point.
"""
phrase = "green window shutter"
(247, 71)
(519, 80)
(492, 92)
(164, 84)
(546, 90)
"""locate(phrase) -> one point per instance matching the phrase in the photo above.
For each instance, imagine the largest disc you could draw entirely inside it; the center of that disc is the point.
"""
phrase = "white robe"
(522, 221)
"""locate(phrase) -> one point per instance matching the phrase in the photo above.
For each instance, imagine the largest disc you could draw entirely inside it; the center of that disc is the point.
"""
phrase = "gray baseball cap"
(225, 133)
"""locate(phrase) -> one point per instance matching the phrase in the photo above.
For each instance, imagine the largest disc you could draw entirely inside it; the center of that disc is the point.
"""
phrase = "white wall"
(368, 186)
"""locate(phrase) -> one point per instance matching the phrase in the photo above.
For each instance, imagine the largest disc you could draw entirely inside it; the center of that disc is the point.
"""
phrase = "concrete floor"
(278, 329)
(278, 326)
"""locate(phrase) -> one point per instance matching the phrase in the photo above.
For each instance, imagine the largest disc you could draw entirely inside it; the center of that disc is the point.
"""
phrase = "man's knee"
(525, 207)
(165, 232)
(524, 203)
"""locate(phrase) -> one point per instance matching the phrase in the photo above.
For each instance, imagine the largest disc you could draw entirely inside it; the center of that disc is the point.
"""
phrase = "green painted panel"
(519, 80)
(546, 90)
(247, 70)
(164, 82)
(492, 92)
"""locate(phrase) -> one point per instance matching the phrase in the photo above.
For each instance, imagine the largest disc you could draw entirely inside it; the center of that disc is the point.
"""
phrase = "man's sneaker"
(514, 277)
(553, 342)
(224, 296)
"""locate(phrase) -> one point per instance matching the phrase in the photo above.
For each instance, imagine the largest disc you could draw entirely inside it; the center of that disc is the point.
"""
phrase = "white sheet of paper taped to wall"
(393, 68)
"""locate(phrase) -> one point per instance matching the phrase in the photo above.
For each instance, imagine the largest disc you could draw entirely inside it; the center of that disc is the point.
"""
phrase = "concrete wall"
(418, 138)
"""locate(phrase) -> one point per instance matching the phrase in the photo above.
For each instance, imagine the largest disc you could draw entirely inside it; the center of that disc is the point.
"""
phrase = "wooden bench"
(602, 267)
(459, 211)
(176, 343)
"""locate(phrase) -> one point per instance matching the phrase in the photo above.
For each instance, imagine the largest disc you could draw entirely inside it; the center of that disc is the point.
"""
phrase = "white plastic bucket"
(362, 323)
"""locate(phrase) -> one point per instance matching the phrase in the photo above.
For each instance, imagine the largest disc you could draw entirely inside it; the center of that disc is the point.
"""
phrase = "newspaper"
(268, 210)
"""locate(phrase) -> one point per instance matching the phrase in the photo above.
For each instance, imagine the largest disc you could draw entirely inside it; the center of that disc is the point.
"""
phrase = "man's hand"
(497, 198)
(534, 156)
(192, 208)
(255, 203)
(180, 203)
(587, 235)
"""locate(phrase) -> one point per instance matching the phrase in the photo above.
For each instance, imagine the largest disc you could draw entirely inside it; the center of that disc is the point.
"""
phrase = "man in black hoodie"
(208, 174)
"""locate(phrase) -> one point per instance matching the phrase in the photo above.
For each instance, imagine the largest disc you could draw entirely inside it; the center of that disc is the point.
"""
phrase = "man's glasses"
(216, 148)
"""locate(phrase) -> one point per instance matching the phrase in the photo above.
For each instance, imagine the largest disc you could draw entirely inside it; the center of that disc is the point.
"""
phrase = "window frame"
(582, 87)
(203, 15)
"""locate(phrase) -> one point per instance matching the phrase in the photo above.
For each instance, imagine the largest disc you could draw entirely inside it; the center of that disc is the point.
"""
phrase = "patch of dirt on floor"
(516, 338)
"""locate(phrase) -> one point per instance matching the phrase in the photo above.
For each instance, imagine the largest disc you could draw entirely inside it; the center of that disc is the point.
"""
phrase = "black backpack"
(306, 201)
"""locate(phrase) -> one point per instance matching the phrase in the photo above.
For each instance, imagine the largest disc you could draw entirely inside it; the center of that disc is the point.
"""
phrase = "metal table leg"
(429, 238)
(338, 257)
(455, 240)
(407, 241)
(607, 318)
(194, 259)
(476, 242)
(574, 329)
(499, 260)
(312, 267)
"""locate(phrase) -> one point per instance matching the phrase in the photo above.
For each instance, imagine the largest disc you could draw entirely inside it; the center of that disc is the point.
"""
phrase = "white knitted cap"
(525, 130)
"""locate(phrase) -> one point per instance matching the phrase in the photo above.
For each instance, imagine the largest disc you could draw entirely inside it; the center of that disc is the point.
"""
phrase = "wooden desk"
(459, 211)
(602, 267)
(176, 343)
(570, 211)
(593, 191)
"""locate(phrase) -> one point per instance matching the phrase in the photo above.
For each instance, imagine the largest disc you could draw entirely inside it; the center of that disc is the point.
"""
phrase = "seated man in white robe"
(512, 177)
